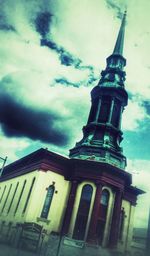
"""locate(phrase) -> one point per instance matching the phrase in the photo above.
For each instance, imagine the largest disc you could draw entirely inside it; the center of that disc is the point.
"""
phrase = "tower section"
(102, 134)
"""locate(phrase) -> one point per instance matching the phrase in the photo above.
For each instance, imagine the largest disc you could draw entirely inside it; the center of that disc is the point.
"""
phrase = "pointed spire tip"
(120, 39)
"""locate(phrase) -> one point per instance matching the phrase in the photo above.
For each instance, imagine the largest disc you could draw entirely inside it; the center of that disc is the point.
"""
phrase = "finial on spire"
(120, 39)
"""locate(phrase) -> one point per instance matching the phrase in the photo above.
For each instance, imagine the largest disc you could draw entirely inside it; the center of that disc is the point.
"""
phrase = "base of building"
(53, 244)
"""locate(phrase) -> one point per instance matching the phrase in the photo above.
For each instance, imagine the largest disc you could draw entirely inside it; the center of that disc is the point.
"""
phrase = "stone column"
(92, 236)
(120, 117)
(98, 110)
(69, 208)
(111, 110)
(114, 232)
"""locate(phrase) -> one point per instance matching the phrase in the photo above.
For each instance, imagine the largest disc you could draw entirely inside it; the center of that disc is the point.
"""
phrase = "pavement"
(6, 250)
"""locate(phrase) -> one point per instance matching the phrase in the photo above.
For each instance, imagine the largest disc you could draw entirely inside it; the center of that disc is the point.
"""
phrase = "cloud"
(118, 6)
(42, 23)
(146, 105)
(68, 59)
(52, 112)
(134, 114)
(65, 82)
(12, 147)
(18, 120)
(5, 26)
(140, 169)
(135, 125)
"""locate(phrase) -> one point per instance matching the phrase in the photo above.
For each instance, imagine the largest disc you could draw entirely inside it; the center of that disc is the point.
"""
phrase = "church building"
(87, 198)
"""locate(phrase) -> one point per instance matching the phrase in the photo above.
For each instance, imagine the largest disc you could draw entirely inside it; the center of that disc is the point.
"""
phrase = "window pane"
(105, 197)
(83, 212)
(47, 203)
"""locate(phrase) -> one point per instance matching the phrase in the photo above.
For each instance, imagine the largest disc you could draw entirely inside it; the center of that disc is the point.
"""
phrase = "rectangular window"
(20, 197)
(3, 194)
(6, 197)
(13, 198)
(28, 197)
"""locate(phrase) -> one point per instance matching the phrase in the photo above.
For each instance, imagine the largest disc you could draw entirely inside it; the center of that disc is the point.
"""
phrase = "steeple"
(114, 71)
(120, 39)
(102, 134)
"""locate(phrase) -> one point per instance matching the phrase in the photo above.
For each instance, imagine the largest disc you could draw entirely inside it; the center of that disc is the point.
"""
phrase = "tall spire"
(120, 39)
(102, 134)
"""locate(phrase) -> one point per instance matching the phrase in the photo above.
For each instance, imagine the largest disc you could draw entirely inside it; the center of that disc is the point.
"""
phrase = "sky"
(51, 56)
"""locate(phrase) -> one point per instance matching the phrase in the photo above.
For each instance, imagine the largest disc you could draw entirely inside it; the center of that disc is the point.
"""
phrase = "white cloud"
(133, 115)
(10, 147)
(140, 169)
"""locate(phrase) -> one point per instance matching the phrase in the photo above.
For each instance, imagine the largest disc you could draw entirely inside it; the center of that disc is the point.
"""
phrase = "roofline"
(40, 158)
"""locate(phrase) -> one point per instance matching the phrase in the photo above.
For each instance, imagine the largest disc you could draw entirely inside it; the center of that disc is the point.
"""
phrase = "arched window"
(48, 201)
(103, 207)
(83, 212)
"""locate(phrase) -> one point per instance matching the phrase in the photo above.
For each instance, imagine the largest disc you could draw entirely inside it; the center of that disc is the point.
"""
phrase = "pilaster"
(114, 232)
(92, 236)
(70, 205)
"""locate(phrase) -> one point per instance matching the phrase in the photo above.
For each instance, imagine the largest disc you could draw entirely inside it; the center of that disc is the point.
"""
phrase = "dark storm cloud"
(18, 120)
(112, 5)
(50, 44)
(42, 23)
